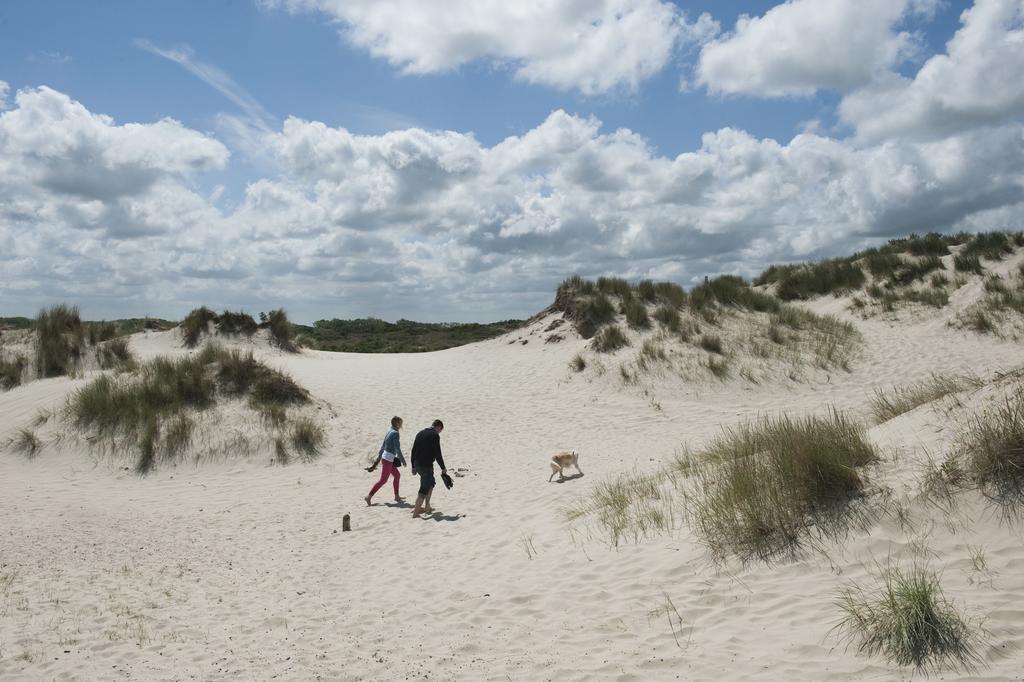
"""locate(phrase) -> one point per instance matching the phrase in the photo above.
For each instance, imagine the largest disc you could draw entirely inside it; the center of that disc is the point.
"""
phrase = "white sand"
(239, 570)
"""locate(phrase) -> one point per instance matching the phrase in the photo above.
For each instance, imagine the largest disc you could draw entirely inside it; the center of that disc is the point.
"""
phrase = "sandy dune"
(239, 570)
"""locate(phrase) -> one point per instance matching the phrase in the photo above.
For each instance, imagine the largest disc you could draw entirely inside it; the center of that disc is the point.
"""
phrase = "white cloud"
(436, 225)
(590, 45)
(802, 46)
(976, 82)
(4, 89)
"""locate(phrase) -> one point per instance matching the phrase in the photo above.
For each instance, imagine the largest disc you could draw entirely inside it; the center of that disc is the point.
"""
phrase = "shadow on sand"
(568, 478)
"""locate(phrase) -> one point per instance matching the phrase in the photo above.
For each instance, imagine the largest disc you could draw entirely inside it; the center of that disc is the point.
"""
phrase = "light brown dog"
(562, 459)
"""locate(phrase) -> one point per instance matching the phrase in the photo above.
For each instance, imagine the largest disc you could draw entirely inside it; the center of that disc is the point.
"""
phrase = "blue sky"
(342, 64)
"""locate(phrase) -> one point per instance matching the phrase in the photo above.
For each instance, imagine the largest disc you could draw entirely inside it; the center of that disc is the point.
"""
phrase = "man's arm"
(440, 459)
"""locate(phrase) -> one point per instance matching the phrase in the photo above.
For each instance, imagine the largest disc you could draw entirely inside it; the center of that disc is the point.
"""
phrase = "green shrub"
(281, 334)
(11, 371)
(993, 449)
(609, 340)
(760, 488)
(195, 324)
(907, 619)
(60, 341)
(636, 315)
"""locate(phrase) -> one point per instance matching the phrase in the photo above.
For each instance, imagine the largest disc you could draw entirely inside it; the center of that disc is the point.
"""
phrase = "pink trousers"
(388, 469)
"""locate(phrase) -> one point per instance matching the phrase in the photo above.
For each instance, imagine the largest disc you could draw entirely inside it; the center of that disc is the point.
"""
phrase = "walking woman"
(391, 454)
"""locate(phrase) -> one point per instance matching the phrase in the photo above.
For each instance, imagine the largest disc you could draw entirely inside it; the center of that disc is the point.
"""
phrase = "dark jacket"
(426, 449)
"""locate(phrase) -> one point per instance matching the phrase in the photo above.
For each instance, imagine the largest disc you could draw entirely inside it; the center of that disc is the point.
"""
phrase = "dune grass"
(629, 507)
(60, 341)
(26, 442)
(761, 487)
(196, 324)
(150, 409)
(236, 324)
(307, 437)
(12, 370)
(886, 405)
(115, 354)
(578, 363)
(719, 366)
(992, 448)
(281, 335)
(609, 340)
(668, 317)
(906, 618)
(711, 343)
(967, 262)
(636, 314)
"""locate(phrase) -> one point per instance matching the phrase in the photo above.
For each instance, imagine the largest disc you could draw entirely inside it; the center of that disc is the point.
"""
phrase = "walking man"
(425, 450)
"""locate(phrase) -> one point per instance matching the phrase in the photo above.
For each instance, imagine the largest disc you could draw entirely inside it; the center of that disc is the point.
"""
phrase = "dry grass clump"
(578, 363)
(631, 506)
(60, 341)
(719, 366)
(636, 314)
(307, 437)
(11, 371)
(281, 334)
(966, 262)
(615, 286)
(889, 405)
(993, 450)
(711, 343)
(196, 324)
(668, 317)
(150, 409)
(26, 442)
(115, 354)
(761, 487)
(906, 618)
(236, 324)
(609, 340)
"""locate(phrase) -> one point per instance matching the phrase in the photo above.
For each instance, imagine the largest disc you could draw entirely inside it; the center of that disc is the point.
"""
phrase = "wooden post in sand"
(346, 523)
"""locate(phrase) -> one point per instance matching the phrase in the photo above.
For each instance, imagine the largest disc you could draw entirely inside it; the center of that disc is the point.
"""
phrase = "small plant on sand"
(307, 437)
(887, 405)
(609, 340)
(26, 442)
(11, 371)
(993, 451)
(631, 506)
(906, 618)
(762, 487)
(578, 363)
(60, 341)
